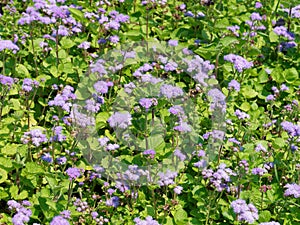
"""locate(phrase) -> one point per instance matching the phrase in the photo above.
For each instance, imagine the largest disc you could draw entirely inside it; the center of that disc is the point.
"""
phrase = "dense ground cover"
(149, 112)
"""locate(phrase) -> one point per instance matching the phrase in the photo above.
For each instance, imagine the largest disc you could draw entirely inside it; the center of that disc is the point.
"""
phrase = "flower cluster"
(240, 64)
(166, 178)
(58, 136)
(241, 115)
(63, 98)
(74, 173)
(23, 214)
(219, 179)
(148, 221)
(217, 100)
(233, 84)
(148, 102)
(7, 44)
(6, 81)
(35, 137)
(120, 120)
(292, 190)
(246, 212)
(29, 84)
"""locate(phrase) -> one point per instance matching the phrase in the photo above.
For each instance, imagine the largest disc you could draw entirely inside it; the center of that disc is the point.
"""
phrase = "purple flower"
(260, 148)
(7, 81)
(259, 171)
(128, 88)
(201, 164)
(92, 105)
(178, 190)
(102, 86)
(114, 201)
(7, 44)
(247, 213)
(59, 220)
(173, 43)
(112, 147)
(218, 99)
(179, 154)
(258, 5)
(29, 84)
(74, 173)
(120, 120)
(241, 115)
(148, 102)
(66, 214)
(292, 190)
(114, 39)
(61, 160)
(234, 30)
(58, 136)
(290, 128)
(239, 62)
(103, 141)
(270, 223)
(283, 87)
(166, 178)
(183, 127)
(255, 16)
(270, 98)
(36, 137)
(170, 91)
(235, 85)
(150, 152)
(148, 221)
(282, 31)
(85, 45)
(47, 158)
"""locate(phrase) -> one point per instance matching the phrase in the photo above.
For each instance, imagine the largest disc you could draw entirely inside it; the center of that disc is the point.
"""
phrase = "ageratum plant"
(149, 112)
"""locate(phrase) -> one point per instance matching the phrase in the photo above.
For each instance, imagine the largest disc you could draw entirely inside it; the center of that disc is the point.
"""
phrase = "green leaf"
(264, 216)
(22, 71)
(263, 77)
(228, 41)
(5, 162)
(277, 75)
(291, 75)
(279, 143)
(180, 217)
(273, 37)
(66, 43)
(248, 92)
(245, 106)
(3, 175)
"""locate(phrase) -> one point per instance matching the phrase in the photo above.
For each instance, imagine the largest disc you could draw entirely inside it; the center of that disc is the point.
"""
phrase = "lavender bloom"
(122, 186)
(241, 115)
(170, 66)
(128, 88)
(47, 158)
(282, 31)
(170, 91)
(92, 105)
(74, 173)
(120, 120)
(6, 81)
(220, 178)
(7, 44)
(114, 201)
(178, 190)
(66, 214)
(270, 223)
(80, 119)
(218, 100)
(234, 30)
(167, 178)
(178, 111)
(292, 190)
(59, 220)
(112, 147)
(29, 84)
(58, 136)
(102, 86)
(270, 98)
(103, 141)
(201, 164)
(85, 45)
(23, 215)
(183, 127)
(114, 39)
(179, 154)
(235, 85)
(247, 213)
(173, 43)
(148, 102)
(148, 221)
(233, 140)
(36, 137)
(61, 160)
(283, 87)
(261, 148)
(258, 5)
(255, 16)
(150, 152)
(239, 62)
(259, 171)
(290, 128)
